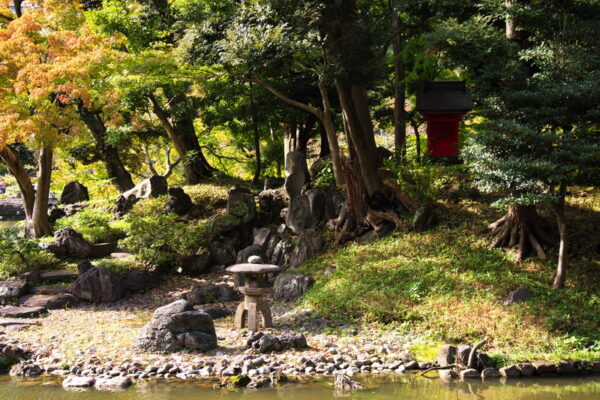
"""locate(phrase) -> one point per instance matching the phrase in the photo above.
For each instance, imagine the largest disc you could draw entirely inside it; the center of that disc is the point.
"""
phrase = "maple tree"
(48, 58)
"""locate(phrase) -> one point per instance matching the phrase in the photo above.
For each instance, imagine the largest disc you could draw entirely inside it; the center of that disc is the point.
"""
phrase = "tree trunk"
(324, 148)
(40, 224)
(109, 154)
(561, 269)
(360, 129)
(520, 228)
(256, 128)
(399, 91)
(332, 139)
(11, 158)
(417, 140)
(183, 136)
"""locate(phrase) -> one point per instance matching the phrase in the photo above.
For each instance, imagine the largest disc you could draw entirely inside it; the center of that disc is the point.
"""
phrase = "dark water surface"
(377, 389)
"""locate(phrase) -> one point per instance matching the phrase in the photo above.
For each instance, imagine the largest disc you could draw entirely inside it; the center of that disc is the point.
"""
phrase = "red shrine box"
(443, 104)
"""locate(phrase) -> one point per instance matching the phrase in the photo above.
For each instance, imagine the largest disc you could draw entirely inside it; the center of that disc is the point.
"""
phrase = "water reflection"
(377, 388)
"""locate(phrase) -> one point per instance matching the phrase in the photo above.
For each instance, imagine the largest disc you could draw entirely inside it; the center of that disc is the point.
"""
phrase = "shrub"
(19, 254)
(160, 238)
(94, 224)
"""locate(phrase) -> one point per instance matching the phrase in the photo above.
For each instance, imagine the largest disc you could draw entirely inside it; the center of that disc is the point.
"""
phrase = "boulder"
(247, 252)
(73, 381)
(49, 301)
(299, 214)
(447, 374)
(22, 312)
(179, 202)
(211, 293)
(117, 382)
(218, 312)
(101, 250)
(310, 243)
(195, 264)
(11, 207)
(72, 209)
(176, 326)
(98, 285)
(288, 287)
(282, 253)
(137, 281)
(519, 295)
(26, 369)
(270, 204)
(265, 343)
(50, 289)
(462, 354)
(74, 192)
(568, 367)
(296, 172)
(73, 243)
(510, 371)
(222, 253)
(446, 356)
(54, 248)
(12, 290)
(526, 369)
(264, 236)
(154, 186)
(424, 219)
(241, 204)
(124, 204)
(544, 368)
(470, 373)
(490, 373)
(55, 213)
(59, 276)
(84, 267)
(318, 166)
(225, 223)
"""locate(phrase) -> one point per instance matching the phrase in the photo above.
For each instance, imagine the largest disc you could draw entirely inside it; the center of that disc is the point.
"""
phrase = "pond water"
(381, 388)
(7, 223)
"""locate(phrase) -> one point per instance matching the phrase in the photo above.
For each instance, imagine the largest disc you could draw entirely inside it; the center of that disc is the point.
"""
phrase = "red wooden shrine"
(443, 104)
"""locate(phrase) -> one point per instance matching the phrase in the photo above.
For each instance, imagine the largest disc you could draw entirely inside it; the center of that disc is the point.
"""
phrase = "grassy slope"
(447, 285)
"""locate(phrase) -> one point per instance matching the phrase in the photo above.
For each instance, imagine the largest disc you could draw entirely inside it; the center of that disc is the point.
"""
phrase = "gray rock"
(118, 382)
(211, 293)
(50, 289)
(12, 290)
(73, 381)
(521, 294)
(26, 369)
(544, 367)
(344, 383)
(270, 343)
(59, 276)
(195, 264)
(264, 236)
(282, 253)
(84, 267)
(526, 369)
(296, 172)
(124, 204)
(247, 252)
(136, 281)
(49, 301)
(510, 371)
(98, 285)
(446, 356)
(74, 192)
(470, 374)
(490, 373)
(462, 354)
(447, 374)
(100, 250)
(222, 253)
(424, 219)
(11, 207)
(270, 204)
(73, 243)
(22, 312)
(72, 209)
(241, 204)
(54, 248)
(299, 215)
(218, 312)
(179, 202)
(310, 243)
(175, 326)
(288, 287)
(567, 367)
(55, 213)
(255, 260)
(154, 186)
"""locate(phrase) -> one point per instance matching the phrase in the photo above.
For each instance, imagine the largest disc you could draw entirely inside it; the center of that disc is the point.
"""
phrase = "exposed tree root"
(520, 228)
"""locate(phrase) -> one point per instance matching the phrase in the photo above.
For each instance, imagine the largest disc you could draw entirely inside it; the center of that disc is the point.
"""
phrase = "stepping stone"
(120, 255)
(50, 289)
(22, 312)
(49, 301)
(59, 276)
(10, 290)
(21, 321)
